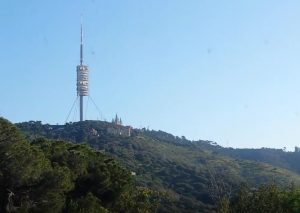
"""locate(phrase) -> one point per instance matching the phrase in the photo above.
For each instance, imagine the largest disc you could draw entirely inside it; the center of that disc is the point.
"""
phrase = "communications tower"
(82, 77)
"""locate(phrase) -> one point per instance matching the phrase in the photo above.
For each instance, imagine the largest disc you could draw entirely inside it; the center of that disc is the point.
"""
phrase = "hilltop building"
(117, 128)
(117, 120)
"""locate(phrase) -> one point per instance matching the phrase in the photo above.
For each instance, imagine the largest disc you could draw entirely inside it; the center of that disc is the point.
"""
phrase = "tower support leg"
(81, 108)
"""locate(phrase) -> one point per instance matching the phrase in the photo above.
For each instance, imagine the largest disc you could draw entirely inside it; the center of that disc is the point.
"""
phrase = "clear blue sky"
(227, 71)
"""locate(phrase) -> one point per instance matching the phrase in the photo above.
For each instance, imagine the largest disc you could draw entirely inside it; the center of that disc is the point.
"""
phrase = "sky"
(225, 71)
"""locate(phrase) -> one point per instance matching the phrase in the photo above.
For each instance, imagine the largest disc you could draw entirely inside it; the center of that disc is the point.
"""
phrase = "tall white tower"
(82, 77)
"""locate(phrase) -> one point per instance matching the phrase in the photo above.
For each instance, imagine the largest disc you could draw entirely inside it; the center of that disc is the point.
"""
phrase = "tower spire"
(81, 44)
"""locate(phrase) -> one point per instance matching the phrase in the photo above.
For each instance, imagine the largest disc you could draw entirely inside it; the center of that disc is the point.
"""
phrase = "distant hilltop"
(76, 131)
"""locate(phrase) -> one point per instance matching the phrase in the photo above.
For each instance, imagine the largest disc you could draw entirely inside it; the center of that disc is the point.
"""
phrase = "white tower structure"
(82, 77)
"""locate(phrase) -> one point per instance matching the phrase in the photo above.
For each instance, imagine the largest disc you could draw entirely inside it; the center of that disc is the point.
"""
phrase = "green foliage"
(268, 198)
(23, 164)
(48, 201)
(88, 203)
(57, 176)
(9, 135)
(140, 200)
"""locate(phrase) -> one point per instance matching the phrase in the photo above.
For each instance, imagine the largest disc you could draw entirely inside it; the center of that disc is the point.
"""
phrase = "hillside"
(194, 174)
(275, 157)
(58, 176)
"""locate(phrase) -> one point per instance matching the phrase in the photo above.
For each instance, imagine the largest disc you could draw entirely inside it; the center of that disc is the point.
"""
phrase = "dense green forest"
(265, 199)
(196, 176)
(58, 176)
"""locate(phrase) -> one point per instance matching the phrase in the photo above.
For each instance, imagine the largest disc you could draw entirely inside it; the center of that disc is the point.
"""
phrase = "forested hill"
(193, 173)
(57, 176)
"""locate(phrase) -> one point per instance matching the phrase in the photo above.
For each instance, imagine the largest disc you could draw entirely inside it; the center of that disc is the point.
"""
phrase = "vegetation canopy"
(58, 176)
(196, 175)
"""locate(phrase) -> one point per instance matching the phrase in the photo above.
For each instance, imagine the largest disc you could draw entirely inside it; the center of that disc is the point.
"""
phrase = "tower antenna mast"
(81, 44)
(82, 77)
